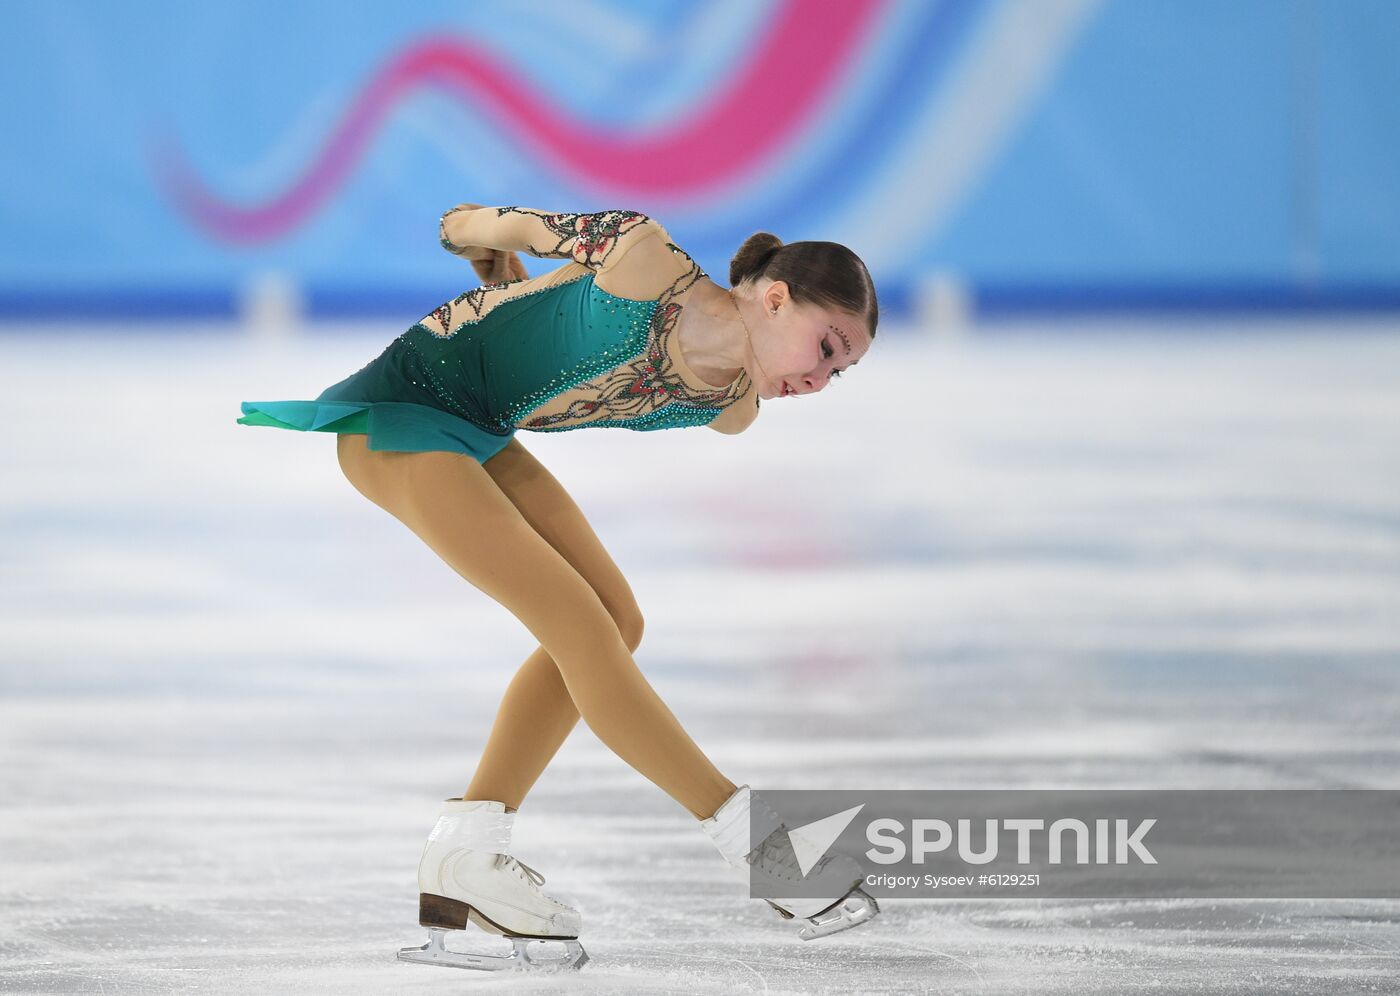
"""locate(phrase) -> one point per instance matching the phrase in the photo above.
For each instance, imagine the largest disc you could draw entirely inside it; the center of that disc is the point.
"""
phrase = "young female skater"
(628, 333)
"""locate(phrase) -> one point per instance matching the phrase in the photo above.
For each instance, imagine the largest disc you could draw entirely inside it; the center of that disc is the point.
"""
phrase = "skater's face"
(803, 348)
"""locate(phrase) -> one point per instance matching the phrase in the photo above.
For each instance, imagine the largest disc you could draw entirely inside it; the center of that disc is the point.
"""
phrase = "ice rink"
(233, 691)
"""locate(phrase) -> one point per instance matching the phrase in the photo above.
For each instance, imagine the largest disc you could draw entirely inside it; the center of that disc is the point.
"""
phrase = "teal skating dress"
(591, 343)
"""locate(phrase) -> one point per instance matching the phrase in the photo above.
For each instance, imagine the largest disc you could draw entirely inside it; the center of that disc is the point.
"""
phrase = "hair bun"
(753, 257)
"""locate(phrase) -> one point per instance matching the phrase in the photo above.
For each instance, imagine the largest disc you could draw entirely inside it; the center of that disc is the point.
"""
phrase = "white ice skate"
(468, 876)
(772, 864)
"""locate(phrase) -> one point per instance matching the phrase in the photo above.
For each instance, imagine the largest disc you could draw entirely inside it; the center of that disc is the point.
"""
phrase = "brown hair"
(826, 274)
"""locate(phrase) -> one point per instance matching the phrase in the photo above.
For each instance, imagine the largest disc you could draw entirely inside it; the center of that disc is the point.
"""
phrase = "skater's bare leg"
(451, 502)
(537, 712)
(533, 720)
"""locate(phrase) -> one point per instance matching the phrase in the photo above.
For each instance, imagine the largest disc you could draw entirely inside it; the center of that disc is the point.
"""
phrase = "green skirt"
(387, 402)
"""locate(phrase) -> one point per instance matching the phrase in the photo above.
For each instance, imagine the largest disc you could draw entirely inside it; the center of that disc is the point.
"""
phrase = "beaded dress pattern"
(591, 344)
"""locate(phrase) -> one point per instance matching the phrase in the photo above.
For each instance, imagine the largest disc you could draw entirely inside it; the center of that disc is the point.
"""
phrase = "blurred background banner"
(180, 159)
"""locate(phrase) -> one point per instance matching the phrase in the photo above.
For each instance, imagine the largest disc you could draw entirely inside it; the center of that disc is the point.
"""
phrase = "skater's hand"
(452, 241)
(503, 266)
(493, 266)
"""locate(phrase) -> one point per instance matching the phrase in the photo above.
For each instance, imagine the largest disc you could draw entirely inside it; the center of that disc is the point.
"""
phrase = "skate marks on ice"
(308, 884)
(233, 693)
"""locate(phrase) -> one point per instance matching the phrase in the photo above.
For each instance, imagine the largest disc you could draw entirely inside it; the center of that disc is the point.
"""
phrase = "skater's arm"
(492, 266)
(598, 241)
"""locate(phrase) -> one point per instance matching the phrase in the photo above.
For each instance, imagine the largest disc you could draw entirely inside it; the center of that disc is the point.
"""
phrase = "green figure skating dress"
(590, 344)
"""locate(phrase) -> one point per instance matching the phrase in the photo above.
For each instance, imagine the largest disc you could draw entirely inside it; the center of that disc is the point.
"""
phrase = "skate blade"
(857, 908)
(525, 956)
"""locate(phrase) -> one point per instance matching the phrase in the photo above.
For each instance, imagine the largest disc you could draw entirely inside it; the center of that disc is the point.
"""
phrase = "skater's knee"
(630, 625)
(572, 616)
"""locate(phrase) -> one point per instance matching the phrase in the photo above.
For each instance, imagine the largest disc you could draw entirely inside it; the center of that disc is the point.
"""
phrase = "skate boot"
(772, 864)
(467, 875)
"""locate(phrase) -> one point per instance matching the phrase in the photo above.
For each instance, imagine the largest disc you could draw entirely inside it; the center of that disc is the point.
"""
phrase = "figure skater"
(629, 333)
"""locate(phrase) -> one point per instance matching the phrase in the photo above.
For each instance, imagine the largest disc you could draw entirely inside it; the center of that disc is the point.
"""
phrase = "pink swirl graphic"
(792, 69)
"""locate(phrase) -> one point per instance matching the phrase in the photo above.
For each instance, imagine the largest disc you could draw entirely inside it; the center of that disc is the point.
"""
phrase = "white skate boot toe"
(467, 876)
(505, 893)
(772, 867)
(500, 895)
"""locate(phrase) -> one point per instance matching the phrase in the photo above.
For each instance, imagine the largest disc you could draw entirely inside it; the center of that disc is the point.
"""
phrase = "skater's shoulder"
(739, 415)
(648, 265)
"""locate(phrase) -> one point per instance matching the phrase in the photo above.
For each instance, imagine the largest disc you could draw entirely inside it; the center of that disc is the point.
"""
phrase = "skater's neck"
(711, 333)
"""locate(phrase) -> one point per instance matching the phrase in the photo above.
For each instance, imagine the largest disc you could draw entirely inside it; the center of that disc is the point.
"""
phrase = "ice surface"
(232, 691)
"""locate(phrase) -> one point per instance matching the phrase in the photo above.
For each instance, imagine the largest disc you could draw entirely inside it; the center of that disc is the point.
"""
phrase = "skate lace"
(521, 868)
(534, 878)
